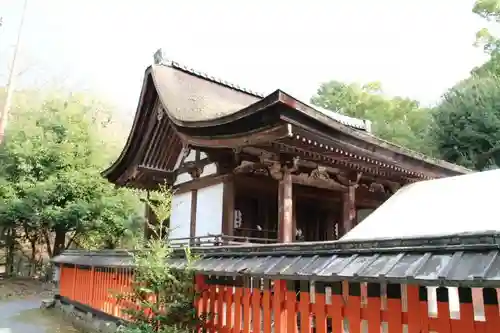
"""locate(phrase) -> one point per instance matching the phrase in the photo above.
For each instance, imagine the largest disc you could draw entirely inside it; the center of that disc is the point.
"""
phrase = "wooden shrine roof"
(181, 107)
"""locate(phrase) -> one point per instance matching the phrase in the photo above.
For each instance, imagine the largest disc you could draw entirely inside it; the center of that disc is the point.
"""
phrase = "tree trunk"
(33, 258)
(11, 250)
(47, 242)
(59, 242)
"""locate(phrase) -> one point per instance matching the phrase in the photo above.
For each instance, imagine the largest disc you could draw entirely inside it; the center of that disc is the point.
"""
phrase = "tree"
(400, 120)
(466, 122)
(466, 126)
(50, 167)
(162, 298)
(490, 11)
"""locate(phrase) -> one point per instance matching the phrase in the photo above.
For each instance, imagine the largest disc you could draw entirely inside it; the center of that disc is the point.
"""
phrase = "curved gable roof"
(177, 102)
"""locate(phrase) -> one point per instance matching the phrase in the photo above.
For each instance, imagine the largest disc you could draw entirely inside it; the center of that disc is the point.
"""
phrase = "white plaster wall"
(209, 169)
(182, 178)
(180, 217)
(209, 210)
(191, 156)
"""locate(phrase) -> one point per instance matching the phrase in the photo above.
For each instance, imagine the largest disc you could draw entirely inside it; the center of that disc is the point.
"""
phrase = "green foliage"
(466, 128)
(466, 123)
(489, 10)
(50, 166)
(164, 296)
(400, 120)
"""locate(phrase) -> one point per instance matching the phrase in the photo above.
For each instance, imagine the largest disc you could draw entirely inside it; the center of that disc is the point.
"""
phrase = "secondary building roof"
(448, 206)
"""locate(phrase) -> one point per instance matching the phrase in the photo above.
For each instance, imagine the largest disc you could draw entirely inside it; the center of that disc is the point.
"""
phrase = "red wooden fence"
(260, 305)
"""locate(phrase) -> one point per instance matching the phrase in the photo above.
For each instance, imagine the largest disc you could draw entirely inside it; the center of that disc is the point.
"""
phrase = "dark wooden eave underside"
(156, 140)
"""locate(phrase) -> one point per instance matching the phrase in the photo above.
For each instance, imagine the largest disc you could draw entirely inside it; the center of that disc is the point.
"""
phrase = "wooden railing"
(440, 285)
(219, 240)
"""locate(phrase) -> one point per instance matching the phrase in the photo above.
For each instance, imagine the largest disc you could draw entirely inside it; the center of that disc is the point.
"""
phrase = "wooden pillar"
(194, 208)
(294, 216)
(228, 198)
(285, 209)
(348, 210)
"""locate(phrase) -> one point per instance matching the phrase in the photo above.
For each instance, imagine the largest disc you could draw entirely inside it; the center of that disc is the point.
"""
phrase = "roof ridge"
(160, 59)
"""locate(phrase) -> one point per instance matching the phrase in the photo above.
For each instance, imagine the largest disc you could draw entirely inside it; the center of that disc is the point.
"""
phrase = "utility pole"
(11, 237)
(4, 115)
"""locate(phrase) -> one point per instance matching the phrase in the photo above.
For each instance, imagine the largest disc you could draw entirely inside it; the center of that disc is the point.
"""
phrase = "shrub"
(163, 297)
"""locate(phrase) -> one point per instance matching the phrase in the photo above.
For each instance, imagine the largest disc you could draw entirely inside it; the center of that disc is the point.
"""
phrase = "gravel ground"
(23, 288)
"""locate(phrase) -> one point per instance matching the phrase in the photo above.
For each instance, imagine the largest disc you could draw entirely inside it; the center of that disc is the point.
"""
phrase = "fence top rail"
(467, 260)
(455, 242)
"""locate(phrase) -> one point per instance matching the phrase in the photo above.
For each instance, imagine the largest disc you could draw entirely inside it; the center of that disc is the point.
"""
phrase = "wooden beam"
(316, 178)
(272, 152)
(247, 167)
(277, 132)
(348, 210)
(285, 208)
(327, 184)
(199, 183)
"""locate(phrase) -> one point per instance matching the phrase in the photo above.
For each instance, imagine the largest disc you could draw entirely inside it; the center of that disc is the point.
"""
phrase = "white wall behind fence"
(180, 217)
(209, 210)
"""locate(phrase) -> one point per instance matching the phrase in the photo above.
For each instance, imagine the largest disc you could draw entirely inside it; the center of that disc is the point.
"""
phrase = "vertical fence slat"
(247, 292)
(221, 290)
(73, 284)
(211, 309)
(466, 322)
(353, 308)
(199, 288)
(266, 307)
(238, 300)
(228, 297)
(106, 290)
(291, 307)
(336, 307)
(92, 286)
(88, 286)
(424, 309)
(304, 306)
(491, 314)
(100, 286)
(279, 288)
(374, 307)
(256, 299)
(443, 307)
(413, 308)
(395, 308)
(320, 307)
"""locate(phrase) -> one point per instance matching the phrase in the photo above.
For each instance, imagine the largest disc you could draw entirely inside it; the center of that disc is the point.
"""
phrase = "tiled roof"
(466, 260)
(160, 59)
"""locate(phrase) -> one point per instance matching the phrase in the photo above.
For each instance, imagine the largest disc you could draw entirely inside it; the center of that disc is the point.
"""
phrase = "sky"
(416, 48)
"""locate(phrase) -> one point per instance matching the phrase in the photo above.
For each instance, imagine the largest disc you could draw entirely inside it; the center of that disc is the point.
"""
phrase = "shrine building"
(247, 167)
